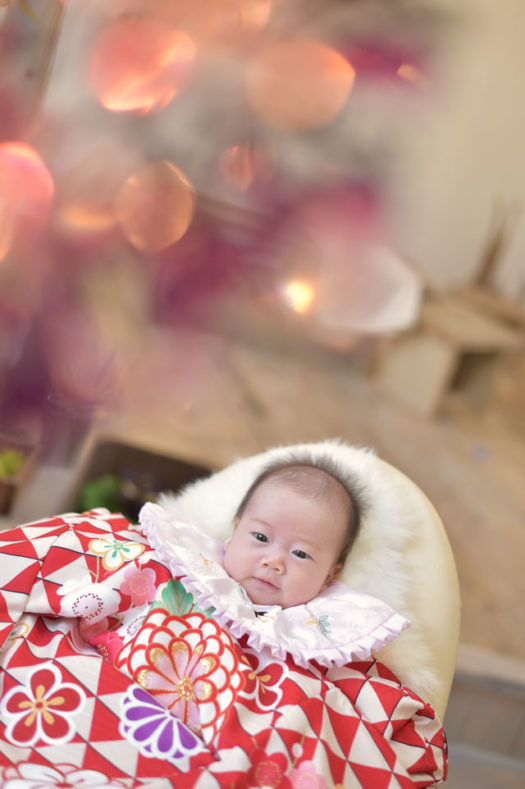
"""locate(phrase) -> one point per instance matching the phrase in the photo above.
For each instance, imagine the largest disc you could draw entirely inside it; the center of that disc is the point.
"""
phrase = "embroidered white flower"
(132, 621)
(72, 584)
(92, 602)
(115, 552)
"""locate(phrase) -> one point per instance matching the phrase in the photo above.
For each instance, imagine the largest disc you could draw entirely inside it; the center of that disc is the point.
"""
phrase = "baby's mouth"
(266, 583)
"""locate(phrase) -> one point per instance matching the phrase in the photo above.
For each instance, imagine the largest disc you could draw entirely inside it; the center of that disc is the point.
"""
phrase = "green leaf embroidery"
(176, 600)
(324, 625)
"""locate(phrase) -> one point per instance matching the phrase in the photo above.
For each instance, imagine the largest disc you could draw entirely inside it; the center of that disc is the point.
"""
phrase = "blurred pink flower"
(139, 585)
(306, 777)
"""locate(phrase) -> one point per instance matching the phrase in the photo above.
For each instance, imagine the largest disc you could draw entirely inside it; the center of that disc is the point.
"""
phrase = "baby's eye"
(260, 537)
(301, 554)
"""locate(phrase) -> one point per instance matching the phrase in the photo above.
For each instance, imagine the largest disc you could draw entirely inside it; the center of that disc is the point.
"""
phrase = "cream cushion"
(402, 556)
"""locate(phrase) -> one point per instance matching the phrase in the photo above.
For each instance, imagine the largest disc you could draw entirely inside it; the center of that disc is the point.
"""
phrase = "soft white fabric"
(385, 561)
(336, 627)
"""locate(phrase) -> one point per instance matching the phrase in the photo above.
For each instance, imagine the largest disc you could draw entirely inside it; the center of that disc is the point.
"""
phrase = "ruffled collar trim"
(336, 627)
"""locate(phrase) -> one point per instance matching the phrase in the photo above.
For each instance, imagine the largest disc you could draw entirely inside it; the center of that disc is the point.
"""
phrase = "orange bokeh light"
(412, 74)
(78, 216)
(209, 21)
(26, 194)
(299, 84)
(139, 65)
(155, 206)
(243, 165)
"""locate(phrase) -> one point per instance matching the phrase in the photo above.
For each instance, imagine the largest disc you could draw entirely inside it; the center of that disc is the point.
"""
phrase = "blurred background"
(231, 224)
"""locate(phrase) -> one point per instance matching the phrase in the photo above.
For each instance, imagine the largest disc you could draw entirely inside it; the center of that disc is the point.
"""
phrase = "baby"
(293, 530)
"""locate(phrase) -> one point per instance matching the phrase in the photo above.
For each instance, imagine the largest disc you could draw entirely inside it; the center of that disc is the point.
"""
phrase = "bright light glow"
(299, 84)
(155, 206)
(299, 295)
(26, 194)
(138, 65)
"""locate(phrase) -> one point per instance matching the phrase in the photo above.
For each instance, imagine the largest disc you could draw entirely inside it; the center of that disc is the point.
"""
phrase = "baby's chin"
(260, 598)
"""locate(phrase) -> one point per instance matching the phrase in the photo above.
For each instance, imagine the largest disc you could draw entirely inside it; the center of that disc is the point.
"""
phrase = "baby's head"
(293, 530)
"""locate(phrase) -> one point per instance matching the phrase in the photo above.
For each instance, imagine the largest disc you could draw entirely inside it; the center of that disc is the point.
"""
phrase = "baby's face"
(285, 546)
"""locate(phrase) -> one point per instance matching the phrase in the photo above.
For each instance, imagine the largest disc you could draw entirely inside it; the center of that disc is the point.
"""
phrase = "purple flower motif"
(155, 732)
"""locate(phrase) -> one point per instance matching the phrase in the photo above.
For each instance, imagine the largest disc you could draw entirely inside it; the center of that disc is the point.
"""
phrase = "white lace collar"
(336, 627)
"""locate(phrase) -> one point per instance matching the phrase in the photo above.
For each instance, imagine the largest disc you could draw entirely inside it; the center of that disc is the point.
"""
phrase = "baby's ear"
(332, 575)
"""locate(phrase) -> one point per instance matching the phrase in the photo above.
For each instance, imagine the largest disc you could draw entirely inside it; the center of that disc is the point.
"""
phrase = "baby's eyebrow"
(262, 522)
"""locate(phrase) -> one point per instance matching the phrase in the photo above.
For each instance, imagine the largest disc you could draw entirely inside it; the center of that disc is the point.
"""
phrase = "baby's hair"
(300, 470)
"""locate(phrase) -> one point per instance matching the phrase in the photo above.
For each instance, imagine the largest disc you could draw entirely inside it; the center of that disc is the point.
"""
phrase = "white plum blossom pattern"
(92, 602)
(115, 552)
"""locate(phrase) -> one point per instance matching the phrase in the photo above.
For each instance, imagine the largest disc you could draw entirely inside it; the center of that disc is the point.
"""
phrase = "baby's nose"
(274, 559)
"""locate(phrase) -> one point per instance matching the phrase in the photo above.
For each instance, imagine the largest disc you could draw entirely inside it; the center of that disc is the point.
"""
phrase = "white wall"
(467, 152)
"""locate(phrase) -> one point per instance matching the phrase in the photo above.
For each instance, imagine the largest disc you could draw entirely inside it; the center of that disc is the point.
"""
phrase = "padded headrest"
(402, 555)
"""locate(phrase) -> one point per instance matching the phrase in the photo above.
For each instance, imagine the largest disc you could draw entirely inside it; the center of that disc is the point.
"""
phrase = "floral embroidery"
(139, 585)
(91, 603)
(132, 622)
(42, 710)
(190, 665)
(108, 644)
(306, 777)
(324, 625)
(269, 771)
(20, 630)
(155, 732)
(176, 599)
(26, 775)
(115, 552)
(264, 678)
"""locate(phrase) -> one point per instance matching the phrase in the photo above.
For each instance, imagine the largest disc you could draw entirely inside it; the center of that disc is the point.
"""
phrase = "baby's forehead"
(308, 481)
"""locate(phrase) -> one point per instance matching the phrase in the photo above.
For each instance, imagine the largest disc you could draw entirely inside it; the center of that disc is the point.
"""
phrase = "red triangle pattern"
(59, 557)
(23, 581)
(389, 697)
(105, 724)
(405, 732)
(111, 680)
(345, 727)
(351, 686)
(93, 760)
(22, 548)
(372, 777)
(427, 763)
(376, 731)
(47, 529)
(5, 630)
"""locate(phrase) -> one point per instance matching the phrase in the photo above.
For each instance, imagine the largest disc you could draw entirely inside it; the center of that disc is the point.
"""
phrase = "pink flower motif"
(139, 585)
(108, 644)
(42, 710)
(306, 777)
(268, 770)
